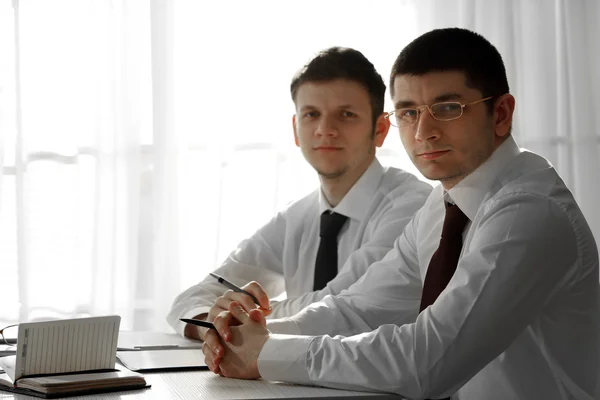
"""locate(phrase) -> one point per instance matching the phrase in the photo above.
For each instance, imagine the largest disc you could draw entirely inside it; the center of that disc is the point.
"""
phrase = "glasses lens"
(405, 116)
(446, 111)
(9, 335)
(392, 119)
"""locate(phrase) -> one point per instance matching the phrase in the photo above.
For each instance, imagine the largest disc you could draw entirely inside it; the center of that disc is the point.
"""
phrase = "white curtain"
(75, 112)
(141, 140)
(551, 51)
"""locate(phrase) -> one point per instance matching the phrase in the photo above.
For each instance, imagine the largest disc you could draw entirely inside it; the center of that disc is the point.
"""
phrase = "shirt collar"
(470, 192)
(356, 202)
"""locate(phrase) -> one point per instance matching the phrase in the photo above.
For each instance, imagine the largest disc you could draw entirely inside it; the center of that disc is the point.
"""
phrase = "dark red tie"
(444, 260)
(326, 264)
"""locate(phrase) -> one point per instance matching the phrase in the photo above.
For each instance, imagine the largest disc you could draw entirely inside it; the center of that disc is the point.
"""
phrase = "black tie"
(326, 264)
(444, 260)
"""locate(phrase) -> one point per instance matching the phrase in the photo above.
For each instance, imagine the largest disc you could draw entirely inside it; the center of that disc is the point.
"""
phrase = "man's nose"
(326, 127)
(427, 127)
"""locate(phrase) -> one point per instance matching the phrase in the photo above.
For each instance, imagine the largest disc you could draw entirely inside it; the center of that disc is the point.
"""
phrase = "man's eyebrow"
(404, 104)
(307, 107)
(452, 96)
(340, 107)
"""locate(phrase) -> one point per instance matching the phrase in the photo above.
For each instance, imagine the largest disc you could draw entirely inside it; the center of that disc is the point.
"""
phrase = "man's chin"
(441, 176)
(331, 174)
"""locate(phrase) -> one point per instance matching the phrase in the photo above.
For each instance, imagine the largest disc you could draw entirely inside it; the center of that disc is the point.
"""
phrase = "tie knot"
(454, 222)
(331, 223)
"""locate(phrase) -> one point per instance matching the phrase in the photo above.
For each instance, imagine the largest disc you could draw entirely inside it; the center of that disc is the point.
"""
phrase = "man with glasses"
(492, 290)
(347, 224)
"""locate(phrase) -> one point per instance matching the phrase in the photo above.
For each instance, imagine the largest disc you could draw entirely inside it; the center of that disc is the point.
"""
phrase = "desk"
(206, 385)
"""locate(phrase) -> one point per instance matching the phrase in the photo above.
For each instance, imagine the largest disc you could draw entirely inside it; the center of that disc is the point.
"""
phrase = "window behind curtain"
(78, 189)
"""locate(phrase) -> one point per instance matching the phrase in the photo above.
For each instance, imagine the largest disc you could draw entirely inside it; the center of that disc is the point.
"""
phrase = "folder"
(179, 359)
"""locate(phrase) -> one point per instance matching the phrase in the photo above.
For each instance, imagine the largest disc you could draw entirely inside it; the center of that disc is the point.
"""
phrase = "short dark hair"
(343, 63)
(454, 49)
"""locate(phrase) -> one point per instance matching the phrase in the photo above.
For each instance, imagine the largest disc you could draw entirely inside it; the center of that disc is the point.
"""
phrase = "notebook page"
(8, 365)
(68, 345)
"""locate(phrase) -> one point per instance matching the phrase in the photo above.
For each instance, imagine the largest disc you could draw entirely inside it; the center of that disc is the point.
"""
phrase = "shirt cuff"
(283, 358)
(284, 326)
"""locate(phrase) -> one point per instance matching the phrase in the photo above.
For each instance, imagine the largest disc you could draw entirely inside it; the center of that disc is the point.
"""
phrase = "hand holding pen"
(249, 297)
(253, 290)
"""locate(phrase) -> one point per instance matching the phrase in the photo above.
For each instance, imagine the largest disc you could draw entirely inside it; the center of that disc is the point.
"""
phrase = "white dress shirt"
(281, 255)
(518, 320)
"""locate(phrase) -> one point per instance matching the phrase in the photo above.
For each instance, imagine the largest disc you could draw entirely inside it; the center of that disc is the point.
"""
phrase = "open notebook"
(67, 357)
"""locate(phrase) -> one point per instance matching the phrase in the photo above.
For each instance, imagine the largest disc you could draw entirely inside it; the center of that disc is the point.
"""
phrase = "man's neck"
(335, 189)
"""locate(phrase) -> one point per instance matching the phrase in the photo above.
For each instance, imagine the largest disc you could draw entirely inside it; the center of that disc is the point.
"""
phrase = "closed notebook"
(163, 360)
(66, 358)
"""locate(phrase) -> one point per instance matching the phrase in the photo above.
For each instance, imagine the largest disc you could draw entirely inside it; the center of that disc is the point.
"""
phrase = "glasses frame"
(4, 340)
(429, 106)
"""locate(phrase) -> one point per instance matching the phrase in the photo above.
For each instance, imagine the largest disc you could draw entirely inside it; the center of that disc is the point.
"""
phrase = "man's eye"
(407, 113)
(311, 114)
(448, 107)
(348, 114)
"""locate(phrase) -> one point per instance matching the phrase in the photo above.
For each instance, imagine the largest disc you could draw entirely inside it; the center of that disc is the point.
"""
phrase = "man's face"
(333, 127)
(446, 151)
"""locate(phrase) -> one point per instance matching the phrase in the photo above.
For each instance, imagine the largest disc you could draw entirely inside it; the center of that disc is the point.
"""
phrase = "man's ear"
(382, 127)
(503, 115)
(295, 131)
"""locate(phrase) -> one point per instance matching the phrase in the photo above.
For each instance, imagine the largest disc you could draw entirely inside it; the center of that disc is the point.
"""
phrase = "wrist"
(260, 348)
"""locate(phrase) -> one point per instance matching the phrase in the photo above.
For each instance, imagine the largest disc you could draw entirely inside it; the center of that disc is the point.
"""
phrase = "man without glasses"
(347, 224)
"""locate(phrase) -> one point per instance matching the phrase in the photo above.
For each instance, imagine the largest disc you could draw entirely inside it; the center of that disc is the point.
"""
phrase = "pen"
(233, 287)
(198, 322)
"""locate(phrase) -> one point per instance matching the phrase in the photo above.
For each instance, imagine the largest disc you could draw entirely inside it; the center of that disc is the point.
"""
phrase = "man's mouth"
(327, 148)
(432, 155)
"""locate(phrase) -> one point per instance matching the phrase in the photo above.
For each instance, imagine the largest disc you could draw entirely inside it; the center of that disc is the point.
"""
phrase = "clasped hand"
(232, 349)
(254, 288)
(222, 304)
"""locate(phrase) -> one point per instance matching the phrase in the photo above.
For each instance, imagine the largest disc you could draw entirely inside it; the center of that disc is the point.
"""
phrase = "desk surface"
(206, 385)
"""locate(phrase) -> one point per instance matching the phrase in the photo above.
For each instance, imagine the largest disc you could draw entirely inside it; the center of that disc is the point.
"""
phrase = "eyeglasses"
(8, 334)
(446, 111)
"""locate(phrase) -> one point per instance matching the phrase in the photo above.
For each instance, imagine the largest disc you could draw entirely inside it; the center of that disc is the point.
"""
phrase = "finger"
(266, 312)
(223, 321)
(258, 316)
(237, 312)
(209, 359)
(213, 343)
(261, 295)
(221, 304)
(245, 301)
(194, 332)
(202, 332)
(223, 372)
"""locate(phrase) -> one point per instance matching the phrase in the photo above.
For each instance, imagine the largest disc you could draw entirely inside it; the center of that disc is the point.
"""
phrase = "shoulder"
(307, 205)
(531, 190)
(531, 179)
(292, 218)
